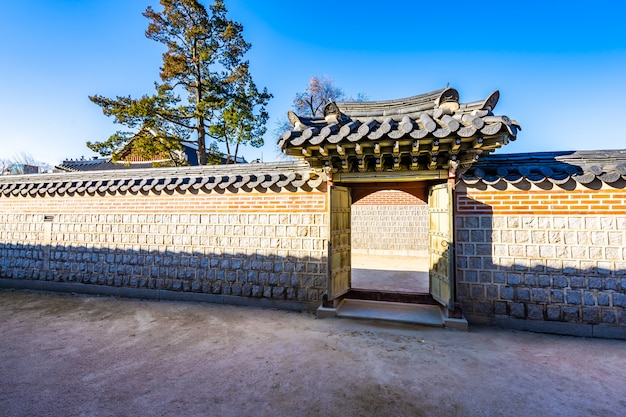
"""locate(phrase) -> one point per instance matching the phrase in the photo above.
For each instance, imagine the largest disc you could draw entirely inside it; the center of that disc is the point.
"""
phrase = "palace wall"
(540, 256)
(390, 222)
(206, 237)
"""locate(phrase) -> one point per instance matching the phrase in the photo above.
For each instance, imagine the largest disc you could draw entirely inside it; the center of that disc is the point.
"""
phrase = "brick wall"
(390, 222)
(542, 254)
(261, 245)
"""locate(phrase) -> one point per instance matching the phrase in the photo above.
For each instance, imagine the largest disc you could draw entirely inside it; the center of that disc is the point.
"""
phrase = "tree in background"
(318, 94)
(203, 61)
(310, 103)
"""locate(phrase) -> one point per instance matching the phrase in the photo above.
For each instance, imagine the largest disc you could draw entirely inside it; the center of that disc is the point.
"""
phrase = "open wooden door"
(339, 244)
(440, 245)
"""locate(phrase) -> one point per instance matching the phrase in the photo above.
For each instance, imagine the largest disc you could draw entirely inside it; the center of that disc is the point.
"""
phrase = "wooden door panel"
(339, 248)
(440, 245)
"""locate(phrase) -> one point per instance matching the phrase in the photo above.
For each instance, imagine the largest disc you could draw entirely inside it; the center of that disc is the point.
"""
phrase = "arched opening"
(390, 239)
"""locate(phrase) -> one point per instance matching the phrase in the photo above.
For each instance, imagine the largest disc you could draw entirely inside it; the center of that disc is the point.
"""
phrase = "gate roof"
(431, 131)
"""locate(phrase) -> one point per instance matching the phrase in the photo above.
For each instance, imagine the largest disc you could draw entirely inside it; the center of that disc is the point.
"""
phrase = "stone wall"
(390, 222)
(549, 255)
(267, 246)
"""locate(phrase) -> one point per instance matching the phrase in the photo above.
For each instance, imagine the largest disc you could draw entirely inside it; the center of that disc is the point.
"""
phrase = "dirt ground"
(64, 355)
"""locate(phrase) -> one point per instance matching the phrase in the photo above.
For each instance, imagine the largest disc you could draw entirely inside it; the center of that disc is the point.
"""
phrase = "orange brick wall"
(389, 197)
(542, 202)
(313, 202)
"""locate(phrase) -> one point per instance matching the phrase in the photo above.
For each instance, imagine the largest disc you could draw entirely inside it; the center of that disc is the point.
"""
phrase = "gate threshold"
(421, 314)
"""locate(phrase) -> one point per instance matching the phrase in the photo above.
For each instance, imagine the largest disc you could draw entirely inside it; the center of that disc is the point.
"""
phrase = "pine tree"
(204, 62)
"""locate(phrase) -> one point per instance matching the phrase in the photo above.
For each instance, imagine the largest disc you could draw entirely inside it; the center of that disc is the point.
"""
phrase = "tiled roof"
(427, 131)
(289, 175)
(558, 168)
(98, 164)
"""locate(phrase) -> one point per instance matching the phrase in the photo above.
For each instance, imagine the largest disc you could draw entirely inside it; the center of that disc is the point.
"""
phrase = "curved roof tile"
(558, 168)
(156, 180)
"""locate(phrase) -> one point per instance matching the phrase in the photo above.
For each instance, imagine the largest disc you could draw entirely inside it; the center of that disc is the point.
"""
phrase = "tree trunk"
(202, 158)
(236, 152)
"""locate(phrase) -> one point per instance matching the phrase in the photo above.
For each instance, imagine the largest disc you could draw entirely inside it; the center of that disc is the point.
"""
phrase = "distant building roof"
(98, 164)
(107, 164)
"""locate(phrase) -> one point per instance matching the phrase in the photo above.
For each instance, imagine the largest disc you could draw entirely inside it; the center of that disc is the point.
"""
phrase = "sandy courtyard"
(63, 355)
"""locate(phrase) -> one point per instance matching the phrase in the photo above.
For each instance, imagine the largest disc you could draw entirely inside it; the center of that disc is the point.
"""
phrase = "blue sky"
(560, 66)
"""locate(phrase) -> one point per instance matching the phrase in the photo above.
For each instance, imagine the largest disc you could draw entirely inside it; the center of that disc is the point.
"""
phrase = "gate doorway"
(415, 263)
(390, 242)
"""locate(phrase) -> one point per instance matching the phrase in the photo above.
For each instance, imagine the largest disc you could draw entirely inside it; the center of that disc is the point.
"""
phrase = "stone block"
(517, 250)
(590, 298)
(475, 262)
(538, 237)
(514, 278)
(491, 291)
(619, 300)
(616, 239)
(539, 295)
(462, 236)
(557, 296)
(608, 316)
(226, 288)
(532, 251)
(591, 315)
(560, 281)
(499, 308)
(547, 251)
(522, 294)
(507, 293)
(603, 298)
(518, 310)
(611, 284)
(571, 314)
(267, 291)
(483, 307)
(613, 253)
(577, 282)
(530, 280)
(553, 312)
(599, 238)
(477, 291)
(535, 311)
(573, 222)
(483, 249)
(235, 289)
(477, 236)
(594, 283)
(573, 297)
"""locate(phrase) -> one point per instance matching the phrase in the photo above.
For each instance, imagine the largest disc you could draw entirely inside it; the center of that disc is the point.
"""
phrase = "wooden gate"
(440, 246)
(339, 250)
